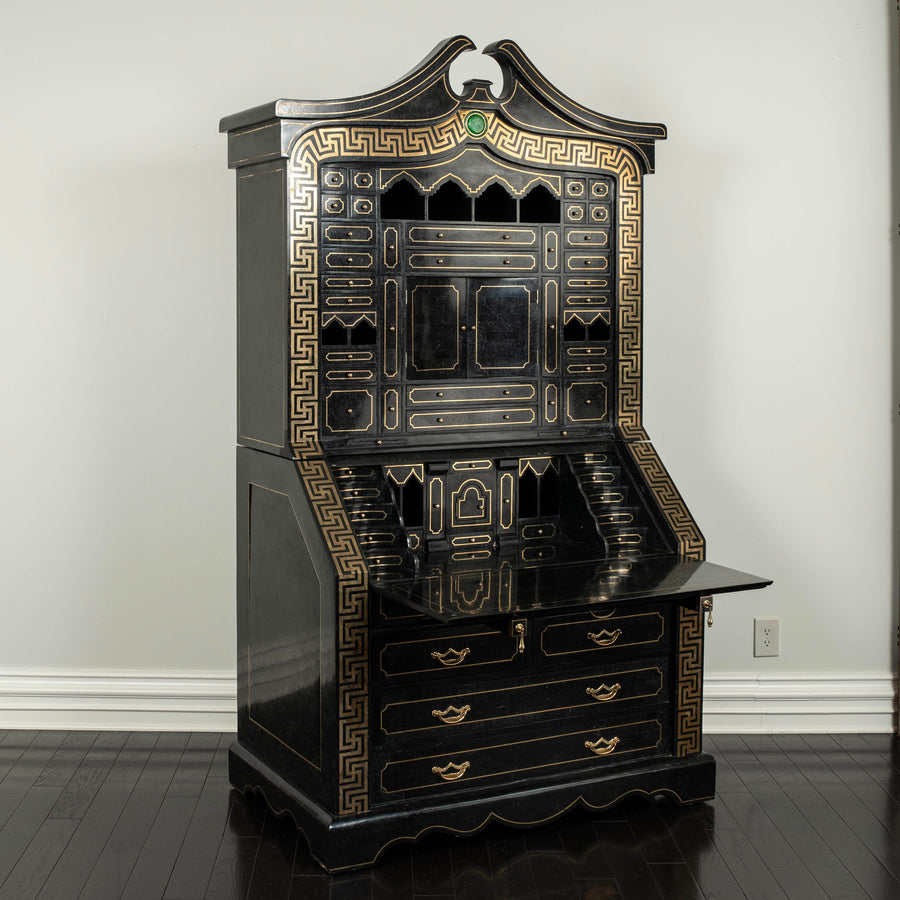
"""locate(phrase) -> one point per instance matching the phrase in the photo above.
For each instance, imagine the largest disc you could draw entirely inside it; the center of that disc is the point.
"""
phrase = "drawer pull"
(451, 715)
(602, 746)
(452, 771)
(605, 638)
(451, 657)
(610, 692)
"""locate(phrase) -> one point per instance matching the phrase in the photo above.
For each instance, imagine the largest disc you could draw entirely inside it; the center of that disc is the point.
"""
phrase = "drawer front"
(349, 259)
(472, 418)
(450, 235)
(587, 237)
(589, 749)
(472, 262)
(587, 262)
(349, 234)
(446, 652)
(441, 396)
(585, 637)
(470, 707)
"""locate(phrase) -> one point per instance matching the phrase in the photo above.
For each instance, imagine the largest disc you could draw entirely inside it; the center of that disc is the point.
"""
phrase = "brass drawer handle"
(598, 692)
(451, 657)
(605, 638)
(602, 746)
(452, 771)
(451, 715)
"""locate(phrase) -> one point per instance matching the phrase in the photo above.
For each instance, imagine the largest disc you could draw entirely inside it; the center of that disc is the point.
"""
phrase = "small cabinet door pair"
(471, 327)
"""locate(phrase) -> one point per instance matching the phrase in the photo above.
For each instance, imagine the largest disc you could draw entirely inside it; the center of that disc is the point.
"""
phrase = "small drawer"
(440, 396)
(575, 188)
(451, 235)
(471, 418)
(360, 376)
(349, 259)
(496, 761)
(586, 636)
(472, 262)
(443, 652)
(334, 178)
(600, 189)
(334, 205)
(584, 262)
(343, 357)
(349, 234)
(598, 213)
(347, 301)
(574, 213)
(587, 237)
(362, 207)
(470, 707)
(538, 531)
(351, 283)
(585, 300)
(361, 180)
(586, 368)
(586, 401)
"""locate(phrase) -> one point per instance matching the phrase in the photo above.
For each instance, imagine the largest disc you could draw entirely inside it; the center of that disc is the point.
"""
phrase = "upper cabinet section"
(421, 265)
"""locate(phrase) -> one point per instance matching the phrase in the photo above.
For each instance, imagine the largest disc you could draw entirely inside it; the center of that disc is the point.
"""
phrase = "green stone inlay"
(476, 124)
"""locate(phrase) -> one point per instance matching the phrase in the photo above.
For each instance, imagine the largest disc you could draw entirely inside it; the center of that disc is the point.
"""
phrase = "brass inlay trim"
(412, 326)
(463, 556)
(471, 393)
(391, 413)
(450, 657)
(551, 403)
(451, 715)
(586, 317)
(462, 418)
(402, 474)
(506, 500)
(390, 251)
(551, 334)
(608, 615)
(473, 465)
(483, 698)
(567, 652)
(436, 506)
(556, 762)
(472, 234)
(391, 327)
(482, 500)
(551, 250)
(472, 540)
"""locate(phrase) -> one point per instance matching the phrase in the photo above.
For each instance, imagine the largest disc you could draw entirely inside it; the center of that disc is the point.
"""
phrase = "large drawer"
(454, 235)
(443, 652)
(472, 418)
(583, 637)
(504, 760)
(442, 395)
(470, 707)
(472, 262)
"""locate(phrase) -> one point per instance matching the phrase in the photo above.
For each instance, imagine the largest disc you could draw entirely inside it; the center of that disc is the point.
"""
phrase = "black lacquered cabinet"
(467, 586)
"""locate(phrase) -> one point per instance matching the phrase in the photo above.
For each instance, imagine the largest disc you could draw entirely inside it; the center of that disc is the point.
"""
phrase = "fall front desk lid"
(512, 588)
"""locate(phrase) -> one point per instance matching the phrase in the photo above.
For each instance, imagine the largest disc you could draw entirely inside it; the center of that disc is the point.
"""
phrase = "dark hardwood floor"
(141, 816)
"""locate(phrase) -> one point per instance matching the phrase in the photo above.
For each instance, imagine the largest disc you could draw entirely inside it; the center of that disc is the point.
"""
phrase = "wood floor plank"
(654, 839)
(839, 835)
(26, 768)
(12, 746)
(82, 787)
(675, 880)
(747, 867)
(64, 763)
(553, 876)
(83, 852)
(272, 871)
(232, 868)
(109, 877)
(37, 861)
(471, 863)
(632, 875)
(584, 850)
(197, 857)
(194, 765)
(143, 804)
(510, 867)
(695, 841)
(780, 858)
(23, 824)
(154, 865)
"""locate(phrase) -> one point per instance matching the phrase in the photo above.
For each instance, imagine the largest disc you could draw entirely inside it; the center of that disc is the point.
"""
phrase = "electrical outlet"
(765, 637)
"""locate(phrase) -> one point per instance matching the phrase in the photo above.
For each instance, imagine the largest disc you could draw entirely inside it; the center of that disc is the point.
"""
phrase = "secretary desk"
(468, 589)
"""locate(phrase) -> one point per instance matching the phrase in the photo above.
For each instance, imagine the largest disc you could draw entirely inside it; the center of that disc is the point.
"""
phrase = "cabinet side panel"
(262, 308)
(285, 623)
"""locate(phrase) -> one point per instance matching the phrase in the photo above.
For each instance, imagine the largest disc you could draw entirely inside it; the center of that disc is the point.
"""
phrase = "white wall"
(768, 390)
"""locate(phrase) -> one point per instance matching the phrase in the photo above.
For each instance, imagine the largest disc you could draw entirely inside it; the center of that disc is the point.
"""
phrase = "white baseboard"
(148, 701)
(118, 701)
(810, 703)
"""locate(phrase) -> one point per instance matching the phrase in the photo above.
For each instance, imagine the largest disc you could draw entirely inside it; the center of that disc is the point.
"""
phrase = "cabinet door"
(502, 320)
(436, 317)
